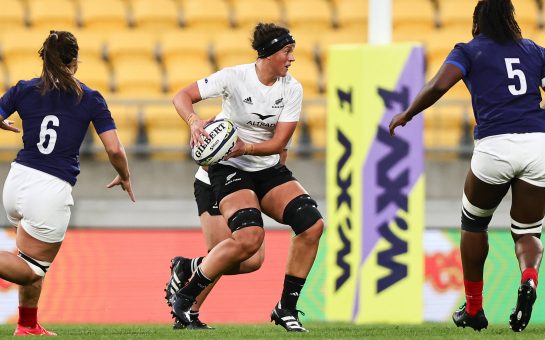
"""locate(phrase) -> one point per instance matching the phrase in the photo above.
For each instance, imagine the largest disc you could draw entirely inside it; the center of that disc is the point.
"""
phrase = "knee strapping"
(475, 219)
(248, 217)
(38, 267)
(526, 228)
(301, 213)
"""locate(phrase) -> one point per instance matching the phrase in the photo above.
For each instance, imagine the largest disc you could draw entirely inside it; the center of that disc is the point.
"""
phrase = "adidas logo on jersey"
(248, 101)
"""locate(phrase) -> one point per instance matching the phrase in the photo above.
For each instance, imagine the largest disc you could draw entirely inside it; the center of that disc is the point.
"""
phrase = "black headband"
(274, 45)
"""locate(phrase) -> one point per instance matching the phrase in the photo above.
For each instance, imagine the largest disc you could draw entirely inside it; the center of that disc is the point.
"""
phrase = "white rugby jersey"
(253, 107)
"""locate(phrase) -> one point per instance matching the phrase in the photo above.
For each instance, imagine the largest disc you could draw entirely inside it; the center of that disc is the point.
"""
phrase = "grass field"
(268, 331)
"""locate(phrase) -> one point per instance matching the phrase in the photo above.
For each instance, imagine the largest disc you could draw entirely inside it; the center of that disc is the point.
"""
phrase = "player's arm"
(183, 102)
(446, 77)
(118, 159)
(284, 156)
(273, 146)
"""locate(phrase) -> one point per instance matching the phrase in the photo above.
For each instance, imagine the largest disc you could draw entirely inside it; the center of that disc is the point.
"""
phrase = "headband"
(274, 45)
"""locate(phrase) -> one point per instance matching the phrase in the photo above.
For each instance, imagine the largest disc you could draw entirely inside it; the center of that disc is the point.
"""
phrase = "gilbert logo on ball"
(223, 136)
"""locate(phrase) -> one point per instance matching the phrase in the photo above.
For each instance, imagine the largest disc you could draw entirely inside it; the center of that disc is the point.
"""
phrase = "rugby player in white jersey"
(264, 103)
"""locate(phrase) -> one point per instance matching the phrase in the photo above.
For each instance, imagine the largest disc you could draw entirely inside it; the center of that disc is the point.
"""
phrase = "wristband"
(191, 119)
(248, 149)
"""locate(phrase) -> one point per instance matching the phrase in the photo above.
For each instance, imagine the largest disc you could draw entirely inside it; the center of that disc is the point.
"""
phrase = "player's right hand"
(8, 125)
(198, 133)
(398, 120)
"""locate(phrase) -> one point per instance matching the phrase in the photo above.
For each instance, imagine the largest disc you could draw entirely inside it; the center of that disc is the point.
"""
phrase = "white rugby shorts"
(498, 159)
(41, 202)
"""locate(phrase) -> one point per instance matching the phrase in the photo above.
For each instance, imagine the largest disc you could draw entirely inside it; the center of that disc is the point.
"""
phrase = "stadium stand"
(18, 45)
(155, 16)
(315, 117)
(351, 15)
(52, 14)
(95, 74)
(444, 125)
(313, 16)
(12, 15)
(246, 13)
(167, 133)
(415, 16)
(3, 78)
(131, 46)
(457, 14)
(138, 79)
(210, 19)
(151, 49)
(181, 73)
(103, 16)
(233, 47)
(528, 16)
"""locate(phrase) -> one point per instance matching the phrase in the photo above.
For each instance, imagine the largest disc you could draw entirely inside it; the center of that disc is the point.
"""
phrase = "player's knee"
(520, 229)
(313, 234)
(475, 219)
(302, 213)
(249, 243)
(38, 268)
(243, 218)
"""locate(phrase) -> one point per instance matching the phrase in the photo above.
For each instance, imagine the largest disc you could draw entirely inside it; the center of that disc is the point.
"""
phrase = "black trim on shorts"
(205, 198)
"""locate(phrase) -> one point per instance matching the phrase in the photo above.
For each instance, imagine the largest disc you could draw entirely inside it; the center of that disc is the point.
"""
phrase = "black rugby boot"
(287, 318)
(181, 307)
(520, 317)
(178, 278)
(462, 319)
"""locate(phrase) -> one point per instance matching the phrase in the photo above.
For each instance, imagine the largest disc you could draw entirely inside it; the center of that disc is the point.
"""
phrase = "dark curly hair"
(496, 20)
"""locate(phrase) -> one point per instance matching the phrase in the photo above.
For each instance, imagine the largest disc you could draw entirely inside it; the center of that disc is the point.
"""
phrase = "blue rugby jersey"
(504, 82)
(54, 126)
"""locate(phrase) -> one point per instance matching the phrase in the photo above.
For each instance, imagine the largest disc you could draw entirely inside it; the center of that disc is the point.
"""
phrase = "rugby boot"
(196, 323)
(181, 308)
(287, 318)
(520, 317)
(36, 330)
(178, 278)
(462, 319)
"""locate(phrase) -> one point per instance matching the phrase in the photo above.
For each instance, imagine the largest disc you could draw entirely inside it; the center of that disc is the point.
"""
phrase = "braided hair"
(496, 20)
(58, 52)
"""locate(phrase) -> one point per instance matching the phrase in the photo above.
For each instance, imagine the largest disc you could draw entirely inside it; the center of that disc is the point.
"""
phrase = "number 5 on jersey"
(45, 131)
(512, 73)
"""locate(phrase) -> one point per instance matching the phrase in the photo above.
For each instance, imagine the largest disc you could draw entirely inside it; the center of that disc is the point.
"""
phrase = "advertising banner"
(119, 276)
(375, 186)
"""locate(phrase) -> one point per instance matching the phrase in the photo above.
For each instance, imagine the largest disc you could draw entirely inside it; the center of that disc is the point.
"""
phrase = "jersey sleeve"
(542, 75)
(292, 109)
(458, 58)
(102, 117)
(216, 84)
(7, 102)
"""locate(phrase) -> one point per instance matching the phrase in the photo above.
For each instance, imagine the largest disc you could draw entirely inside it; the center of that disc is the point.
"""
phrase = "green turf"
(320, 330)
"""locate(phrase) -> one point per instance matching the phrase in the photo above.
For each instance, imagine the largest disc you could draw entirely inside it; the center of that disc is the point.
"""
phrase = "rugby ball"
(223, 137)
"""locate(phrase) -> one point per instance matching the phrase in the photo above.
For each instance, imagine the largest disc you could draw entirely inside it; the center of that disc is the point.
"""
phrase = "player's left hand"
(8, 125)
(398, 120)
(237, 150)
(125, 185)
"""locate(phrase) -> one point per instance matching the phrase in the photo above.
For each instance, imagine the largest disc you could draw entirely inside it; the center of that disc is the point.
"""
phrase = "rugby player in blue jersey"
(56, 110)
(503, 73)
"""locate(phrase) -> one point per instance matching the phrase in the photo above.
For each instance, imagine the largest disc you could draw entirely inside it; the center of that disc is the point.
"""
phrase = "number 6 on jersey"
(44, 131)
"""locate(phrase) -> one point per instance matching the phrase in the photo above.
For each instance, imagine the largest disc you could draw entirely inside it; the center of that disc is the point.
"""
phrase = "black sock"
(291, 292)
(196, 285)
(193, 315)
(191, 266)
